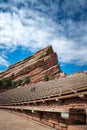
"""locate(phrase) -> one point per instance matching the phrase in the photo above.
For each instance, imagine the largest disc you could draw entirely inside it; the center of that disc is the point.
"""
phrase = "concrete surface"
(11, 121)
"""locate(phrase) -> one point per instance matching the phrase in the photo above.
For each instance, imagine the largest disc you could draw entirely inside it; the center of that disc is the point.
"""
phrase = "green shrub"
(46, 78)
(14, 84)
(19, 81)
(0, 83)
(51, 78)
(6, 83)
(27, 80)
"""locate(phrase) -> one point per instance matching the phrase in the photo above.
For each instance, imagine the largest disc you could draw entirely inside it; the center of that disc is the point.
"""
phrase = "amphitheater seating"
(44, 90)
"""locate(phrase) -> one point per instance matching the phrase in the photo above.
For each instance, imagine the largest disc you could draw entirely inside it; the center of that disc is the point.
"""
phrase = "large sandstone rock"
(42, 63)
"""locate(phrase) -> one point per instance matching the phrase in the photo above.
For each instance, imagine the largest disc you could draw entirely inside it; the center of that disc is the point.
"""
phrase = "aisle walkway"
(11, 121)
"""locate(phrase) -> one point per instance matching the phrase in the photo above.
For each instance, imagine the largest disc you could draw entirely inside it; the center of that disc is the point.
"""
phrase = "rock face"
(42, 63)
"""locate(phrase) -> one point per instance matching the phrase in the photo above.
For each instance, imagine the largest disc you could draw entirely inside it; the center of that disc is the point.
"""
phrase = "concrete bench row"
(43, 90)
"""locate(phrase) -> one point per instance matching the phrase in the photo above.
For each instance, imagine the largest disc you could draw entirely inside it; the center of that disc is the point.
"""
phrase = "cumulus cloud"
(35, 24)
(3, 62)
(69, 52)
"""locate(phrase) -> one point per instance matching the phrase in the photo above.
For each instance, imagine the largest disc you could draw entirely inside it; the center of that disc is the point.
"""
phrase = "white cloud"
(34, 30)
(73, 7)
(70, 52)
(83, 3)
(3, 62)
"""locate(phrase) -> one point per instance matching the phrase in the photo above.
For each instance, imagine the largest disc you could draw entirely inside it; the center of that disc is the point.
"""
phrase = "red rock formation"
(42, 63)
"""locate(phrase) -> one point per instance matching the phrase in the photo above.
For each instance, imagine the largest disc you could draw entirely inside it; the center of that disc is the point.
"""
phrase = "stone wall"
(75, 121)
(52, 119)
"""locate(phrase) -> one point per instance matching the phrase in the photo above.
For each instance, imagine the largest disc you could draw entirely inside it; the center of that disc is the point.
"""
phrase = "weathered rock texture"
(42, 63)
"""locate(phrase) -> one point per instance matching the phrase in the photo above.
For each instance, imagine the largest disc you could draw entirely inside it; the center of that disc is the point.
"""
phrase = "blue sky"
(29, 25)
